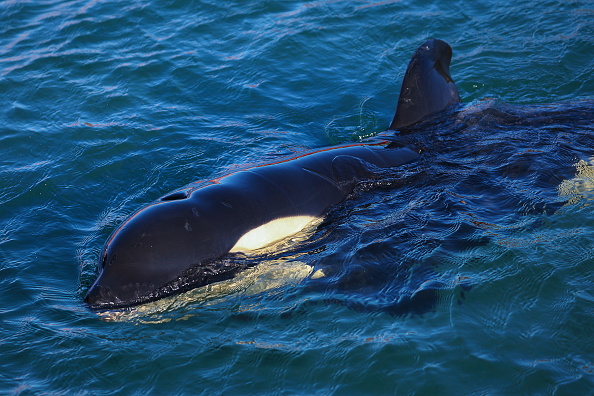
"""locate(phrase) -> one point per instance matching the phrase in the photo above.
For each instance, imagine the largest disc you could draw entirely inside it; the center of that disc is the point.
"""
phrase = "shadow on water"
(490, 172)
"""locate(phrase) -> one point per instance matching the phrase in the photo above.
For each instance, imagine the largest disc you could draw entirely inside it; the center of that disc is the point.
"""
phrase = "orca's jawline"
(102, 298)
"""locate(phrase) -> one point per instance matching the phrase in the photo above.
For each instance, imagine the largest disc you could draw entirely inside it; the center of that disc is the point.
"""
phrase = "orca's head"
(146, 257)
(427, 86)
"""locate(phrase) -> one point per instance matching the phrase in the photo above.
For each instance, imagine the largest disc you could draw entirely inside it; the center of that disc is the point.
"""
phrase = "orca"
(178, 243)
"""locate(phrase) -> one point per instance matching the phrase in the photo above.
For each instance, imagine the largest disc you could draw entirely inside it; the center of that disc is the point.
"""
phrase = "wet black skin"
(427, 86)
(175, 244)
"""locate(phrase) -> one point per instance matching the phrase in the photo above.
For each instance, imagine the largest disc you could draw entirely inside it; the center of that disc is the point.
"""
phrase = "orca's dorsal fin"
(427, 86)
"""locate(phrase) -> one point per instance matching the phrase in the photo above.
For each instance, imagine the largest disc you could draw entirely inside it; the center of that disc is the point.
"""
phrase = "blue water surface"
(106, 106)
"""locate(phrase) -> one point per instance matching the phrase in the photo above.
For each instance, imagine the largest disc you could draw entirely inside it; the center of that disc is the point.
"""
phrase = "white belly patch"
(271, 232)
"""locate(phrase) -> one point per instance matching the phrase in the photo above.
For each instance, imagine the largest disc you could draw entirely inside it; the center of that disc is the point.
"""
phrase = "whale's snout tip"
(100, 297)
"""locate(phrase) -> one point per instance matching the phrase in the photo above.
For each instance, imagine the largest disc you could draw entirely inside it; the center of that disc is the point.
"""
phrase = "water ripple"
(473, 263)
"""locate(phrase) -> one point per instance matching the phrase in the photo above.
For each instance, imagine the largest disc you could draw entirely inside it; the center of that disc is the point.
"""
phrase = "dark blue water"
(109, 105)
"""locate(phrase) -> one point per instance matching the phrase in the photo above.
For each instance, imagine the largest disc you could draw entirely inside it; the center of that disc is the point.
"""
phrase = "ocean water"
(468, 271)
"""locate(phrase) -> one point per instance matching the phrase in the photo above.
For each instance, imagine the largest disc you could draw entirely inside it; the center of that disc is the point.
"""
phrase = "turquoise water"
(109, 105)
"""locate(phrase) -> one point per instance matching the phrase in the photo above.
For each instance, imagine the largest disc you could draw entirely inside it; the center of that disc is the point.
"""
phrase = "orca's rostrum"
(174, 244)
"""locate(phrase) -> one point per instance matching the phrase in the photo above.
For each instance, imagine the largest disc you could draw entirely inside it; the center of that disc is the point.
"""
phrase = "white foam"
(581, 187)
